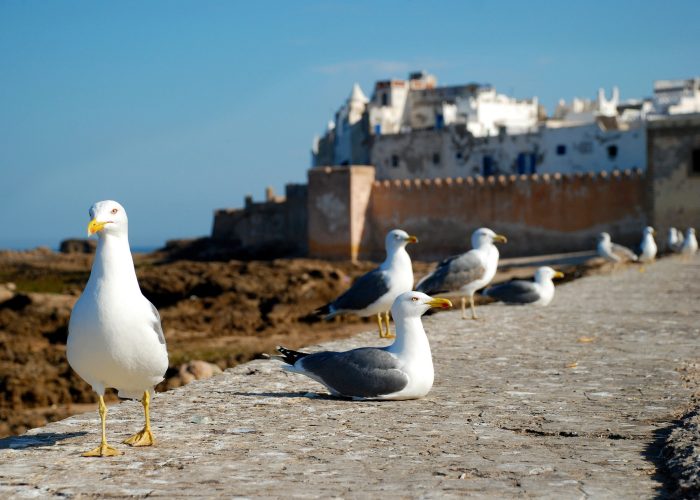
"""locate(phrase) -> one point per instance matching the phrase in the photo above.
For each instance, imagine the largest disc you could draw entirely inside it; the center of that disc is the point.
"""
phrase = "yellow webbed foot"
(104, 450)
(143, 438)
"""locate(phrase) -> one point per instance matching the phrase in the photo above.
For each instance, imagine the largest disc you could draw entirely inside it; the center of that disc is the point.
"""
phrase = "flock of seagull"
(116, 340)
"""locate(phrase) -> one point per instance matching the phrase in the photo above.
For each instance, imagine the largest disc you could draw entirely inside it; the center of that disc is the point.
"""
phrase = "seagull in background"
(403, 370)
(648, 245)
(675, 240)
(538, 293)
(468, 272)
(376, 291)
(690, 245)
(115, 338)
(612, 252)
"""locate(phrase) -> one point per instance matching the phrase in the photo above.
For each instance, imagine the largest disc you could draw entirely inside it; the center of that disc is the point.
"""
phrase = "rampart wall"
(538, 213)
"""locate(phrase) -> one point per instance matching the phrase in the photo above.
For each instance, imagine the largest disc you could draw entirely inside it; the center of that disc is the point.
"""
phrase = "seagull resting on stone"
(403, 370)
(375, 292)
(115, 338)
(690, 245)
(612, 252)
(467, 272)
(538, 293)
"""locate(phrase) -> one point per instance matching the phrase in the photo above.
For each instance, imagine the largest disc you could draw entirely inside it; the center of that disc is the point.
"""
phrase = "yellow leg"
(464, 308)
(379, 323)
(104, 450)
(388, 334)
(471, 303)
(144, 437)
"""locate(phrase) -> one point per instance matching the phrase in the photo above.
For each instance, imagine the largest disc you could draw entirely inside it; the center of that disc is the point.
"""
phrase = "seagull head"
(604, 237)
(546, 273)
(398, 238)
(415, 304)
(107, 217)
(485, 237)
(689, 231)
(649, 230)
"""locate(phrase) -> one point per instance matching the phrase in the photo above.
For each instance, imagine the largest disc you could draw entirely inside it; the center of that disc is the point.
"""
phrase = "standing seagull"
(675, 240)
(538, 293)
(690, 245)
(612, 252)
(114, 336)
(375, 292)
(403, 370)
(467, 272)
(648, 245)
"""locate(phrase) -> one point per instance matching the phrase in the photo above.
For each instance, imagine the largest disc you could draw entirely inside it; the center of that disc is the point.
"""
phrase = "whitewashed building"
(416, 129)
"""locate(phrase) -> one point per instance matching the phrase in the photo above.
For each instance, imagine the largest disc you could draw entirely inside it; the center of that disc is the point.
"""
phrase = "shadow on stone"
(655, 453)
(309, 395)
(36, 440)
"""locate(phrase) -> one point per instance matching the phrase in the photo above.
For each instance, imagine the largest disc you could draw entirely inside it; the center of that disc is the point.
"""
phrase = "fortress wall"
(539, 213)
(276, 227)
(673, 196)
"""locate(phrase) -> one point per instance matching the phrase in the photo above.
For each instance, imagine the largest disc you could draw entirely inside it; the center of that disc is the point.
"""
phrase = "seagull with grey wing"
(403, 370)
(612, 252)
(468, 272)
(375, 292)
(539, 292)
(115, 338)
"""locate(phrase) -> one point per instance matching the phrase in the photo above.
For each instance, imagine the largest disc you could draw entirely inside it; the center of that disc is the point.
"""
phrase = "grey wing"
(366, 372)
(156, 324)
(366, 290)
(452, 274)
(514, 292)
(623, 252)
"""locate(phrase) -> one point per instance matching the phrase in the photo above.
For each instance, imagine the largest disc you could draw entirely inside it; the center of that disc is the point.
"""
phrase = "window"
(385, 100)
(439, 121)
(436, 158)
(561, 150)
(394, 161)
(378, 129)
(612, 152)
(458, 155)
(695, 162)
(487, 166)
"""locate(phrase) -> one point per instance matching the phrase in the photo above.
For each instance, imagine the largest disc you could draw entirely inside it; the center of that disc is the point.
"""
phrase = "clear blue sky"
(175, 108)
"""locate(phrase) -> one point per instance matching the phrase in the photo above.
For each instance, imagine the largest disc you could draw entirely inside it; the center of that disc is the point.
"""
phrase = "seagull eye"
(114, 211)
(414, 299)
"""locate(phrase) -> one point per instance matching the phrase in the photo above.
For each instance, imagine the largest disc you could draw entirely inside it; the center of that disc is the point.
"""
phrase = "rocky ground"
(592, 396)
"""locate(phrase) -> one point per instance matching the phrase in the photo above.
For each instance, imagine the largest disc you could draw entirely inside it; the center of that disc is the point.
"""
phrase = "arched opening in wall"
(394, 161)
(436, 158)
(385, 100)
(561, 150)
(612, 151)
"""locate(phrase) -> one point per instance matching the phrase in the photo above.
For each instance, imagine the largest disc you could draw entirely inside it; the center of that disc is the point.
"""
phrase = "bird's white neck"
(395, 259)
(113, 261)
(411, 340)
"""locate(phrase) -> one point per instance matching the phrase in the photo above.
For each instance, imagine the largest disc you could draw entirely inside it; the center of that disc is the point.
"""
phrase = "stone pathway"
(568, 401)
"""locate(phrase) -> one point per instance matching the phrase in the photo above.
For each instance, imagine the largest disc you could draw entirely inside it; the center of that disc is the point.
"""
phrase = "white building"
(413, 128)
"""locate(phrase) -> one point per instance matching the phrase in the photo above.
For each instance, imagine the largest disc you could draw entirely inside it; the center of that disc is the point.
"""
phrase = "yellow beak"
(95, 227)
(412, 239)
(439, 302)
(499, 238)
(558, 274)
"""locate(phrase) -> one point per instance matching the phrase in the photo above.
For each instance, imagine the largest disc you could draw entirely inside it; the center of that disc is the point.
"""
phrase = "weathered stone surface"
(568, 401)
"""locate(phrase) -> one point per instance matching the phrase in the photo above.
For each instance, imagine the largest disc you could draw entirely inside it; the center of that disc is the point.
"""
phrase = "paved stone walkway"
(568, 401)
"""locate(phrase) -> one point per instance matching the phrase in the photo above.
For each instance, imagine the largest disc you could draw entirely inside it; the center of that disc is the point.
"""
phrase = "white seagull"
(539, 292)
(612, 252)
(115, 338)
(648, 245)
(468, 272)
(375, 292)
(690, 245)
(403, 370)
(675, 240)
